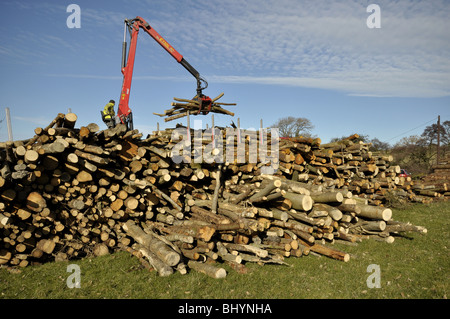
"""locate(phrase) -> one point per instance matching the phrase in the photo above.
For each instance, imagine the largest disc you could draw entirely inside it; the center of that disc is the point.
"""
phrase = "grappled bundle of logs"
(71, 192)
(184, 107)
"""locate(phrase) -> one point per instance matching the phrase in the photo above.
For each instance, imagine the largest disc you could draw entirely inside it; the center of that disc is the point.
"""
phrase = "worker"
(108, 114)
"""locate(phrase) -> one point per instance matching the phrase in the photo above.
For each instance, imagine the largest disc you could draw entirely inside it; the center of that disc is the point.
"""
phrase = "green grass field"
(413, 267)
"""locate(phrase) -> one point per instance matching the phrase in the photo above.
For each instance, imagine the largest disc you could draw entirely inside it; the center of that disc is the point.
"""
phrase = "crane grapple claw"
(205, 104)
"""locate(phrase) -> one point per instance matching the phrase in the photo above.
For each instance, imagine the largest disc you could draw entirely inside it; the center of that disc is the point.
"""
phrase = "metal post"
(239, 130)
(212, 131)
(198, 136)
(188, 128)
(8, 123)
(438, 139)
(261, 137)
(124, 46)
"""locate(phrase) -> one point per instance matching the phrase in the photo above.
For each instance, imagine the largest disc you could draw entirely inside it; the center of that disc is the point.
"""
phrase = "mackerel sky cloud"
(326, 44)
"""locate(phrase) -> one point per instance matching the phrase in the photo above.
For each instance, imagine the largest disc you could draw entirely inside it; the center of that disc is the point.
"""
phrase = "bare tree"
(293, 126)
(431, 132)
(378, 145)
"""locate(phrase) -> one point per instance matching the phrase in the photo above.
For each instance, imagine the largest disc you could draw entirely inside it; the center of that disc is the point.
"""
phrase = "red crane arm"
(127, 69)
(155, 35)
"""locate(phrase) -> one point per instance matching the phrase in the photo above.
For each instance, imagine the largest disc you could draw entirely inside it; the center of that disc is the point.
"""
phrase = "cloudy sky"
(313, 59)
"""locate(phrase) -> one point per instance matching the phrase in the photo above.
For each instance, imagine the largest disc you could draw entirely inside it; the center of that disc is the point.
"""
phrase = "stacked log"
(72, 192)
(437, 183)
(372, 176)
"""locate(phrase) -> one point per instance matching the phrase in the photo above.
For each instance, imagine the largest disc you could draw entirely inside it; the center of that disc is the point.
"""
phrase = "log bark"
(208, 216)
(397, 226)
(162, 268)
(197, 231)
(216, 190)
(266, 190)
(293, 225)
(375, 212)
(160, 249)
(207, 269)
(299, 202)
(91, 157)
(328, 197)
(378, 225)
(333, 212)
(248, 248)
(326, 251)
(56, 147)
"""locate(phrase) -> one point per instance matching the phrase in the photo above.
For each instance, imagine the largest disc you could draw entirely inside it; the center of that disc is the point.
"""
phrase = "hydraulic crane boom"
(133, 25)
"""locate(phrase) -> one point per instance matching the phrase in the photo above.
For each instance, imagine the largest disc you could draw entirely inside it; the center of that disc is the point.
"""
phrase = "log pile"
(436, 184)
(373, 176)
(71, 192)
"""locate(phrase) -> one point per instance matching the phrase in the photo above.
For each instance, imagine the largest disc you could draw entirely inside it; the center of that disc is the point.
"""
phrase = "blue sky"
(313, 59)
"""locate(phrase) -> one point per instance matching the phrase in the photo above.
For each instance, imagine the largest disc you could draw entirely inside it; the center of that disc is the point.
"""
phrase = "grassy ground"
(410, 268)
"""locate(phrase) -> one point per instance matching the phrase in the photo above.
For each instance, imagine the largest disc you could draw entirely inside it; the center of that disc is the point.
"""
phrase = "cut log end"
(36, 202)
(387, 214)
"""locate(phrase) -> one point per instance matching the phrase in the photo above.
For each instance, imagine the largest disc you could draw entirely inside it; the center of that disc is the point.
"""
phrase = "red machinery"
(133, 26)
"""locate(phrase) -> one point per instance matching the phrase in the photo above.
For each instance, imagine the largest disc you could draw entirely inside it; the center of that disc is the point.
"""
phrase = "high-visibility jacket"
(108, 111)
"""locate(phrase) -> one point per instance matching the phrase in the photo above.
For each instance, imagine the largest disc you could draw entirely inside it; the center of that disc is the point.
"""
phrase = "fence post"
(438, 139)
(8, 124)
(188, 128)
(212, 131)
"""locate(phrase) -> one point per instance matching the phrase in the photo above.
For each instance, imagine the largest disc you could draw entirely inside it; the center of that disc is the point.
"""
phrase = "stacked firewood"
(437, 183)
(374, 177)
(72, 192)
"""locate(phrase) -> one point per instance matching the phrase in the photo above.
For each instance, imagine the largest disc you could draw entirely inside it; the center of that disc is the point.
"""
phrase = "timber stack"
(373, 176)
(71, 192)
(436, 184)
